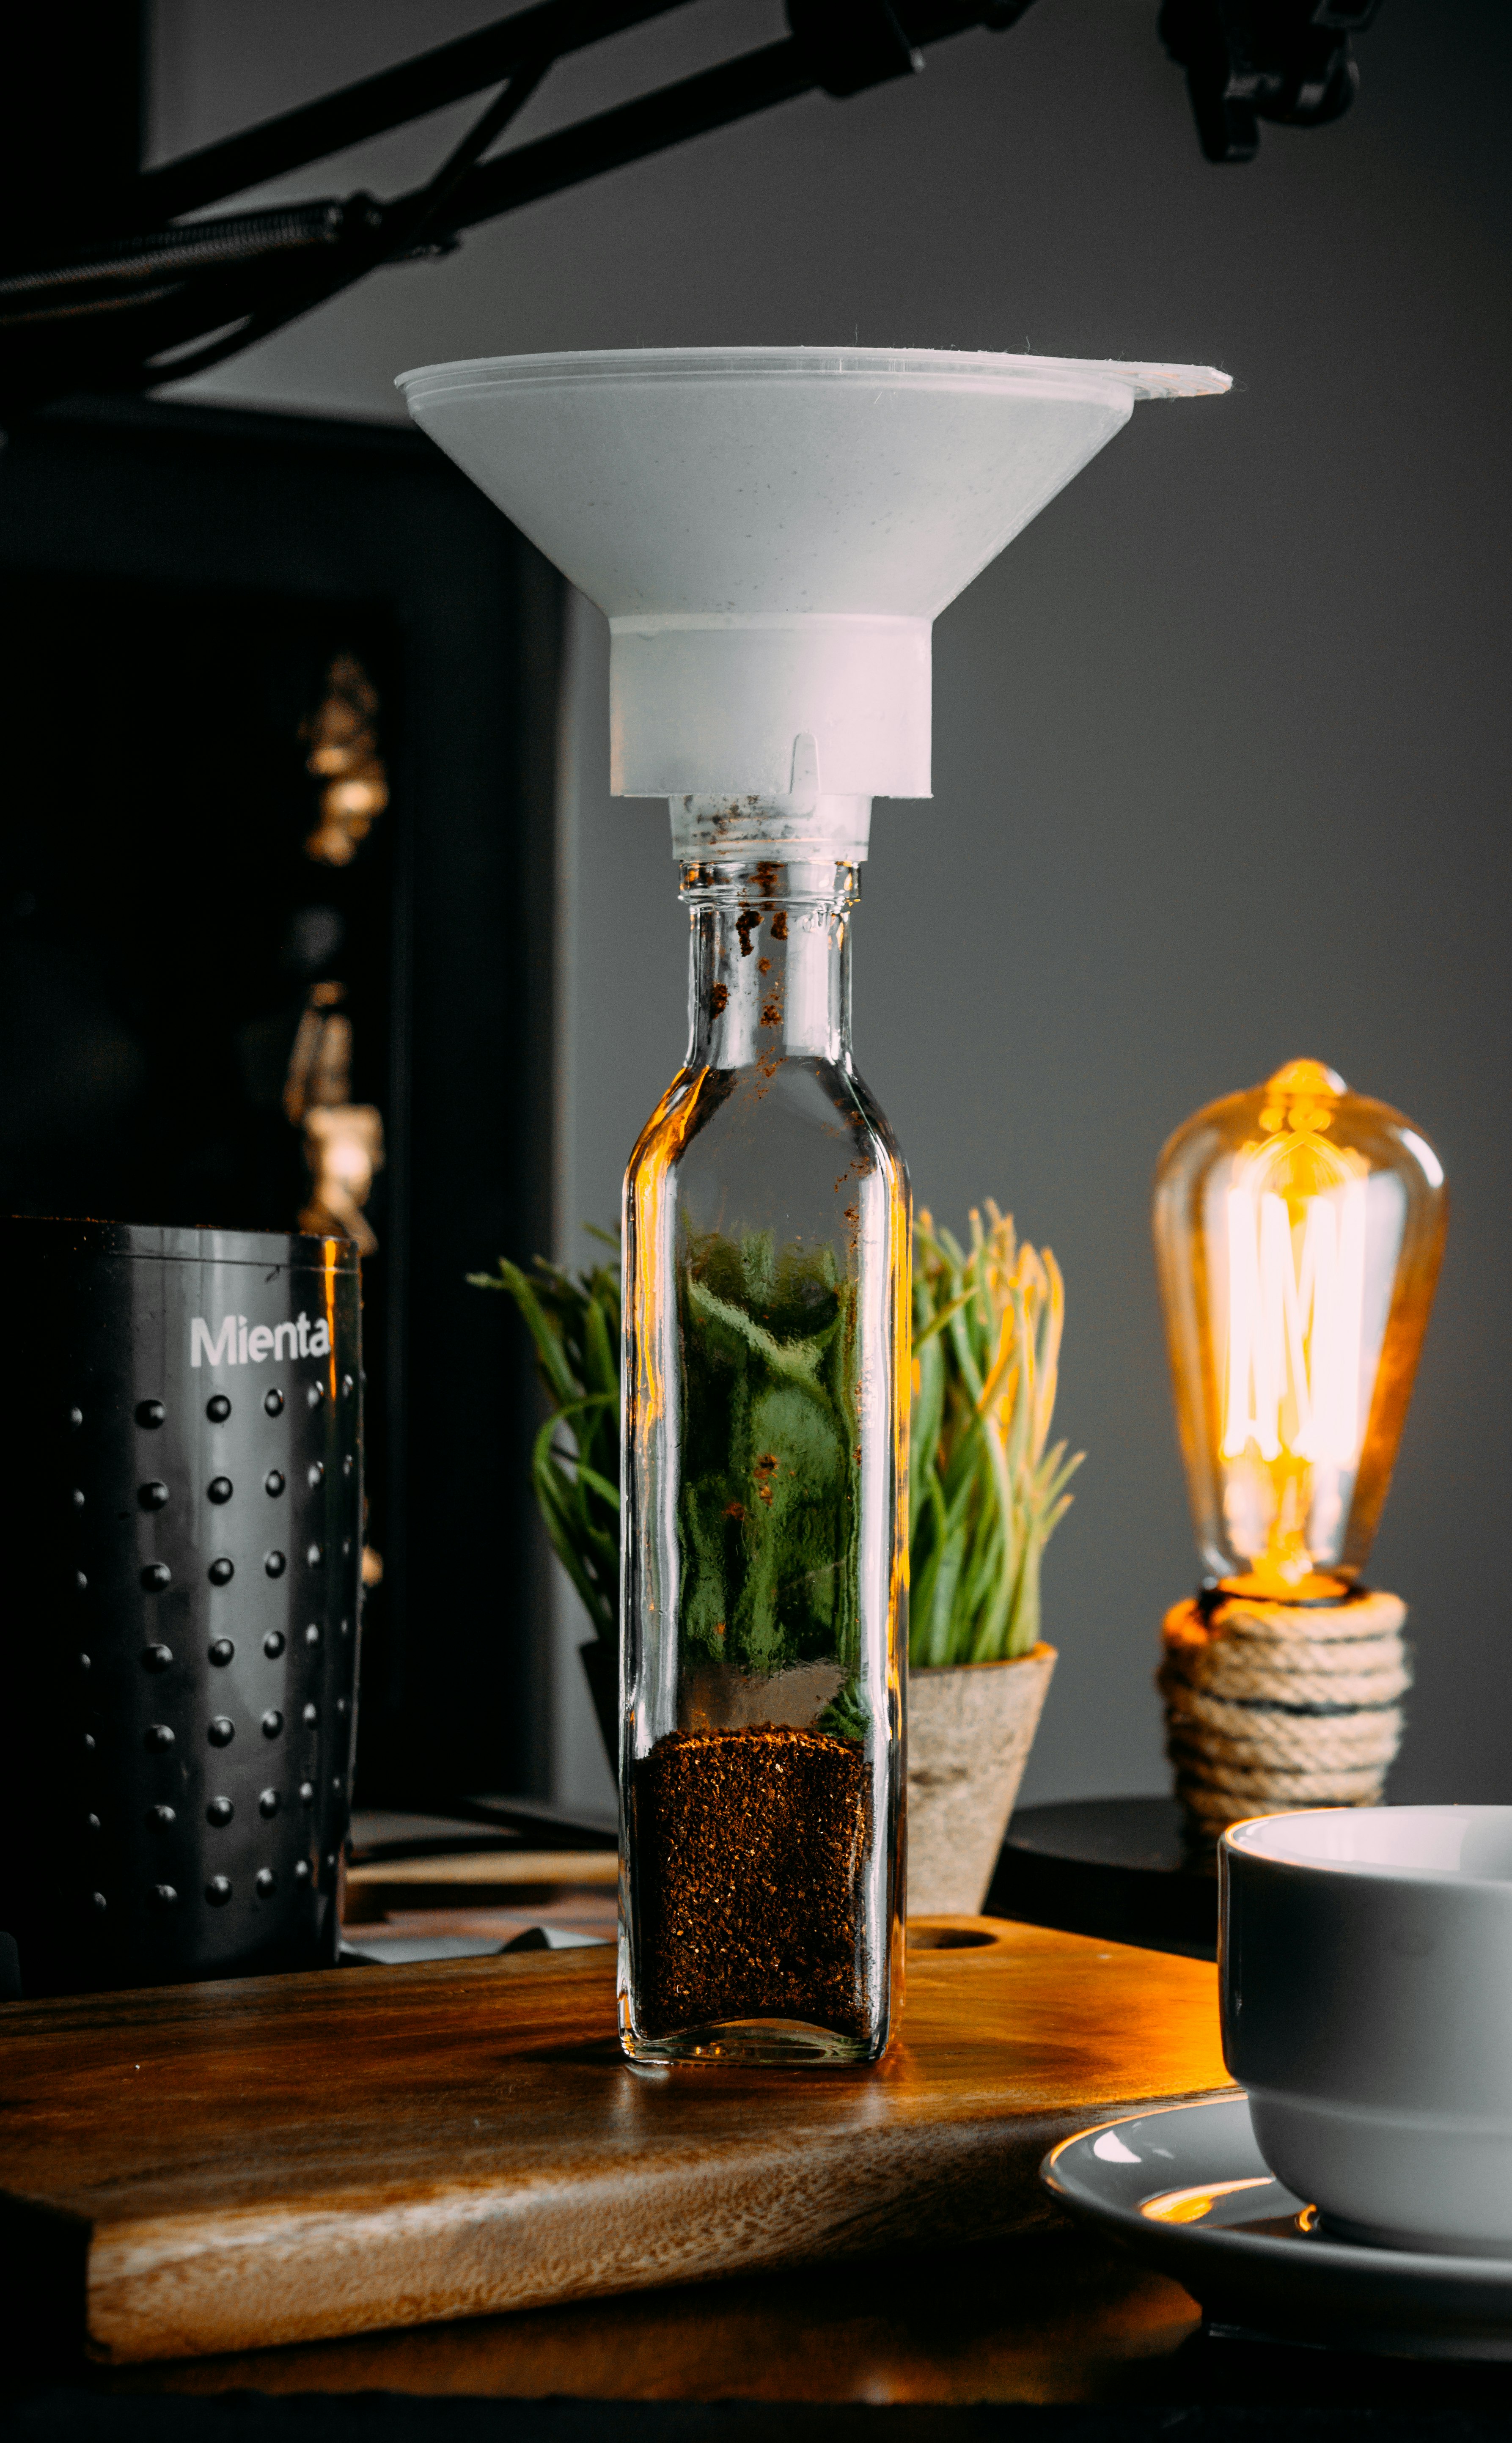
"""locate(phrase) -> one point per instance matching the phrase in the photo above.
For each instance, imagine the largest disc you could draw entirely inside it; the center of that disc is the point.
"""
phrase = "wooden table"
(212, 2168)
(878, 2238)
(1046, 2318)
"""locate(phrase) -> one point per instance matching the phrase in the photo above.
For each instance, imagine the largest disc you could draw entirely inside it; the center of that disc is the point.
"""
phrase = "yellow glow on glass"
(1298, 1229)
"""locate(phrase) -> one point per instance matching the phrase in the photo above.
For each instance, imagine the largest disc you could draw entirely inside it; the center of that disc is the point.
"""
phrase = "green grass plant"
(987, 1488)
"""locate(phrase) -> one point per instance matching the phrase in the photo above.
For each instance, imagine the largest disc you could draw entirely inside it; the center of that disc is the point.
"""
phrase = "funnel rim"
(924, 368)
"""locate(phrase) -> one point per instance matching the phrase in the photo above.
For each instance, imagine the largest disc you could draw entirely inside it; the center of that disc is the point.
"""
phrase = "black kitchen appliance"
(183, 1466)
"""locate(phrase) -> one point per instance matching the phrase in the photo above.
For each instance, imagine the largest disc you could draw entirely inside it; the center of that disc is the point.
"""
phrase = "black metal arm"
(147, 302)
(550, 30)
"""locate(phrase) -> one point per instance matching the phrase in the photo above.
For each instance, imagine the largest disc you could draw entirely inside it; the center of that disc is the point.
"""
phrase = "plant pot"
(969, 1731)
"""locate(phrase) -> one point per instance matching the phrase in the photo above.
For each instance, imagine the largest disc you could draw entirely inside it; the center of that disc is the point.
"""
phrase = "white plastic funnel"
(772, 532)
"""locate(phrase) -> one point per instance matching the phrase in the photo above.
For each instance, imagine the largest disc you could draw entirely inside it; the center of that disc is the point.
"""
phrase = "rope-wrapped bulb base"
(1271, 1705)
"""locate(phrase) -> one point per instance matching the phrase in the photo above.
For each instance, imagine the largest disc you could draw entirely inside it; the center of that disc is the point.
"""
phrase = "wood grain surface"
(223, 2167)
(1051, 2316)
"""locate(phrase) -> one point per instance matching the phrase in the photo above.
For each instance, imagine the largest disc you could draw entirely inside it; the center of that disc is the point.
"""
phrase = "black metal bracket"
(853, 44)
(1287, 60)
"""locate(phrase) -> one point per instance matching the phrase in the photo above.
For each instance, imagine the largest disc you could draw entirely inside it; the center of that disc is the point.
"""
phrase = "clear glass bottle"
(767, 1241)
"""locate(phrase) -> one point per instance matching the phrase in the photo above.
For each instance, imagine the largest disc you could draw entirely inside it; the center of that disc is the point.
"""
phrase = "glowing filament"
(1294, 1325)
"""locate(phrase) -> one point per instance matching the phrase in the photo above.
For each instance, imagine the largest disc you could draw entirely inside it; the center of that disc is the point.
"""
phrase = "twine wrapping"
(1271, 1705)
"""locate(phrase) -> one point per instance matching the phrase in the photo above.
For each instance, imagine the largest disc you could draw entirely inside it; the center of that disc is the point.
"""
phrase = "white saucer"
(1186, 2187)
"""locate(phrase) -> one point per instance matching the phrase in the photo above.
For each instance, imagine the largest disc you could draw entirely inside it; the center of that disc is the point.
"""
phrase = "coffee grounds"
(748, 1852)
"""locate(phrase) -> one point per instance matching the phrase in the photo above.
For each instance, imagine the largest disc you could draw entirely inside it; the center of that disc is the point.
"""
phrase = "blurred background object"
(201, 1020)
(344, 753)
(343, 1141)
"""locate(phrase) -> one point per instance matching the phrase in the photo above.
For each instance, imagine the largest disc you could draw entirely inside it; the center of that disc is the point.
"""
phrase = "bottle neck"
(770, 964)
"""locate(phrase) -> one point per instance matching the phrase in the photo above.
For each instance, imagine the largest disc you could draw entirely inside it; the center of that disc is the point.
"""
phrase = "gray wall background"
(1221, 744)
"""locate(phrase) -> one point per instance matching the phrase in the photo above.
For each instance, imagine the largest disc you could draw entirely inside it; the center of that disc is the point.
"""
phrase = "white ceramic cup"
(1365, 1972)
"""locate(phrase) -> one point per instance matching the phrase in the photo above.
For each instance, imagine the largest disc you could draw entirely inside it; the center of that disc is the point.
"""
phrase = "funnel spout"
(699, 701)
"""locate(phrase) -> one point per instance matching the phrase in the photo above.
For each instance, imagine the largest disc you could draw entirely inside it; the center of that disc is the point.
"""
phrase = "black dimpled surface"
(194, 1625)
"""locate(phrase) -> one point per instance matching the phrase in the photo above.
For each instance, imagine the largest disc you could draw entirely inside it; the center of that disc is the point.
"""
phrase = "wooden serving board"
(220, 2167)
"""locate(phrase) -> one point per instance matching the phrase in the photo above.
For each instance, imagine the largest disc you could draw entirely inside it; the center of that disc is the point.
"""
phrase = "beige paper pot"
(969, 1731)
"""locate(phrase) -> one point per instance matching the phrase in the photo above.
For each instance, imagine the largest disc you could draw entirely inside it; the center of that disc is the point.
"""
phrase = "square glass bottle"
(766, 1236)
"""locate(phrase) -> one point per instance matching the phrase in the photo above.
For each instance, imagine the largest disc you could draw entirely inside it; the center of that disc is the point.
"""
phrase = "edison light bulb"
(1298, 1230)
